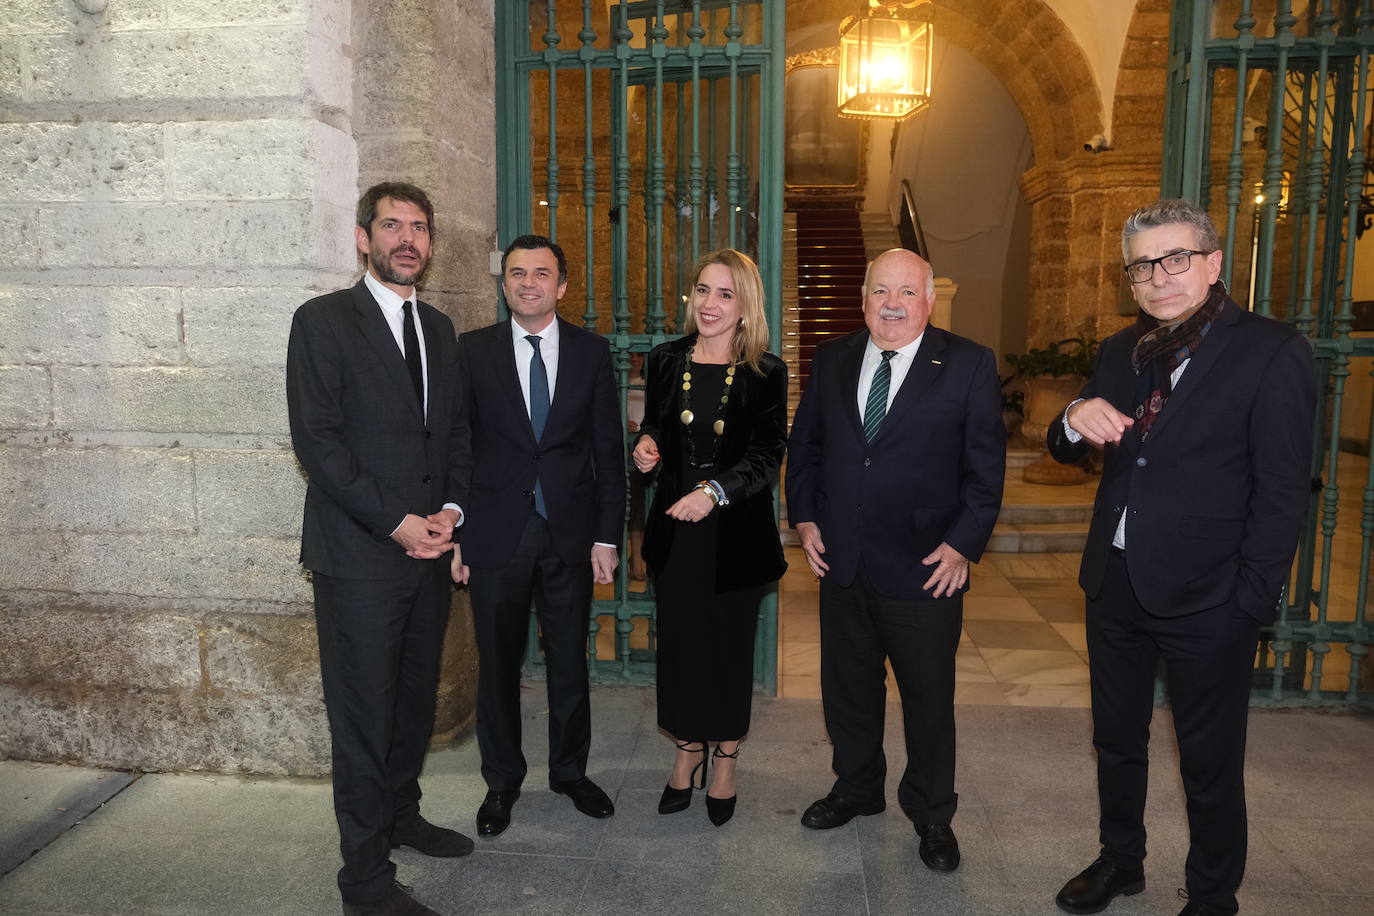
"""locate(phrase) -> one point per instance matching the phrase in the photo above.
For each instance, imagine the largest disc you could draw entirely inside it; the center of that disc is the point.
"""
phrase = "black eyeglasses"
(1176, 263)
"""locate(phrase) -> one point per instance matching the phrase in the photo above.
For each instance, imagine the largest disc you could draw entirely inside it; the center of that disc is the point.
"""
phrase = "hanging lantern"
(885, 60)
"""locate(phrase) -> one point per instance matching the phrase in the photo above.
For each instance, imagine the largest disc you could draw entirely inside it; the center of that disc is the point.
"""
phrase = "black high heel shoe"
(720, 810)
(674, 800)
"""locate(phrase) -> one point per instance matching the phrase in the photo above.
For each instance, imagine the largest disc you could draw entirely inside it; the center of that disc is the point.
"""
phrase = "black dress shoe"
(939, 847)
(1198, 908)
(586, 796)
(834, 811)
(494, 815)
(397, 902)
(422, 836)
(1095, 886)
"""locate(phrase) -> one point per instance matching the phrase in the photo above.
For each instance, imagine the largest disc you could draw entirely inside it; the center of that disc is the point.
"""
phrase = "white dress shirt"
(394, 313)
(1073, 435)
(901, 365)
(548, 351)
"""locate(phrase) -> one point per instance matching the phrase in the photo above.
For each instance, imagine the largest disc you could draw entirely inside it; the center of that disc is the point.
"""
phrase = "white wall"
(963, 157)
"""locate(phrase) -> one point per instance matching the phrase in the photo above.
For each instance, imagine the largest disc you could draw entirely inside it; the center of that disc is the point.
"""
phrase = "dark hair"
(535, 243)
(396, 190)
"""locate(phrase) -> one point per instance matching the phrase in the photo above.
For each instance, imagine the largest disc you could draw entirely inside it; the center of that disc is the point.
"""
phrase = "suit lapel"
(926, 364)
(850, 364)
(508, 378)
(569, 363)
(1218, 338)
(372, 324)
(429, 323)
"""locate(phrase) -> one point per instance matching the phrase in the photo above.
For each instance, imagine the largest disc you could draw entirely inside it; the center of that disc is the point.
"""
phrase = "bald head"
(899, 291)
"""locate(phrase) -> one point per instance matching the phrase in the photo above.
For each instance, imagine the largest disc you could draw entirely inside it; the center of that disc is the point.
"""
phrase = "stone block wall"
(176, 176)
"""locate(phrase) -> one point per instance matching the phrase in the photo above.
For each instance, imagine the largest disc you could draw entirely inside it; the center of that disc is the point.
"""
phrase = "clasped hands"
(950, 573)
(429, 537)
(693, 506)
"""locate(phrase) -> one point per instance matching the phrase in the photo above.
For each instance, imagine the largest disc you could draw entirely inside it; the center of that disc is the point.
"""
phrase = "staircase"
(830, 273)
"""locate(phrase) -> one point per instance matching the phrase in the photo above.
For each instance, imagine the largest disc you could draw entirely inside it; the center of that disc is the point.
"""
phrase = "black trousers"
(380, 642)
(859, 630)
(562, 596)
(1208, 657)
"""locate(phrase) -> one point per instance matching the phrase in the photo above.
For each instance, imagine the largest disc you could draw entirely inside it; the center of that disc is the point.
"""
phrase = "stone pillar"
(176, 176)
(1077, 208)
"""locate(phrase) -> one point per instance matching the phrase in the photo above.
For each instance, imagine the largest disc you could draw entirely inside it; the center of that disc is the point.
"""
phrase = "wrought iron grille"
(1268, 125)
(639, 136)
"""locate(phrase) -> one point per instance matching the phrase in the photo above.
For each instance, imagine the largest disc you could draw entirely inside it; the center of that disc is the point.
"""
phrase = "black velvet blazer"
(748, 550)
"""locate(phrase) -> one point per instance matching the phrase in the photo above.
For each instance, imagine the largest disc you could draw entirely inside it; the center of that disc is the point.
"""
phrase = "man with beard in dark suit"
(373, 398)
(1205, 412)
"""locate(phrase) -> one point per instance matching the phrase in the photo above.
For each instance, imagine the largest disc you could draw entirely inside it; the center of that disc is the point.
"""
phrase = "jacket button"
(427, 434)
(428, 478)
(1141, 462)
(867, 462)
(537, 456)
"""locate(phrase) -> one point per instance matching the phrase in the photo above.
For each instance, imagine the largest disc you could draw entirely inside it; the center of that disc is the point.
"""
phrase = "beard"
(388, 271)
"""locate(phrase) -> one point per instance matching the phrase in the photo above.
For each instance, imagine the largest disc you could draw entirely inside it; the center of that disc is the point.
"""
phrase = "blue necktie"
(539, 411)
(876, 406)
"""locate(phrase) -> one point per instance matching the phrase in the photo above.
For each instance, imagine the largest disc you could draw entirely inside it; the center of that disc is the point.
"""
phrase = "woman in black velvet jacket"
(715, 425)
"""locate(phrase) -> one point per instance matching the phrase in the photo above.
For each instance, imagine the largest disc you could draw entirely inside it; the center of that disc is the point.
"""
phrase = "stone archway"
(1077, 197)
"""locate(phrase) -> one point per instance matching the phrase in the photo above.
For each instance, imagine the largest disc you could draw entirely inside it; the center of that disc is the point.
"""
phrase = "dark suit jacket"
(748, 550)
(934, 472)
(580, 459)
(360, 434)
(1218, 490)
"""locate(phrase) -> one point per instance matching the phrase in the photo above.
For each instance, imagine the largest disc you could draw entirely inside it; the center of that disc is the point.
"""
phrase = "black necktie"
(412, 350)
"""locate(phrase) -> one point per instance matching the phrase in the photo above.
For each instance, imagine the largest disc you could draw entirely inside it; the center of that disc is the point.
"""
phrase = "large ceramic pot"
(1046, 396)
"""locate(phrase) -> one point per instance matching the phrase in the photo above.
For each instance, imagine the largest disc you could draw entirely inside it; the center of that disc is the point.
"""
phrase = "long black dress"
(710, 576)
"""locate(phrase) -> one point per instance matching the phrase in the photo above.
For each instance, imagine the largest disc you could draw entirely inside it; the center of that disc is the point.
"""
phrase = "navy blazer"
(1218, 490)
(360, 434)
(580, 459)
(933, 473)
(748, 550)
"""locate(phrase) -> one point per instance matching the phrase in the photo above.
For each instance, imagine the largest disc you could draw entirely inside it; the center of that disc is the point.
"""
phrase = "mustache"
(406, 248)
(889, 312)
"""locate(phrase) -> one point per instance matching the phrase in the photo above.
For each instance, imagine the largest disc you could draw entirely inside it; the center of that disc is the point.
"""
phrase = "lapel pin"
(936, 362)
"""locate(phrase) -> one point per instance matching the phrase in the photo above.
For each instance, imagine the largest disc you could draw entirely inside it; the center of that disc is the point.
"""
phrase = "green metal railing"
(1268, 125)
(674, 105)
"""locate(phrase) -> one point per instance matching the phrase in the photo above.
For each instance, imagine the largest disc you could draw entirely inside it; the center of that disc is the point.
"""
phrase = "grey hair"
(1168, 212)
(930, 274)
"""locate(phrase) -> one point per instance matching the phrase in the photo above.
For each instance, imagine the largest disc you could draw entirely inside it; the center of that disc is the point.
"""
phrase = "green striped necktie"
(876, 407)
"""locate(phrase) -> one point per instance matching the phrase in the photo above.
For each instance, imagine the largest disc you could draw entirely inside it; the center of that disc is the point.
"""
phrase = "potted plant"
(1052, 377)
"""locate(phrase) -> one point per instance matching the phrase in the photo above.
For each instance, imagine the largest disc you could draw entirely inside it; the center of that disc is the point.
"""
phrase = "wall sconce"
(885, 60)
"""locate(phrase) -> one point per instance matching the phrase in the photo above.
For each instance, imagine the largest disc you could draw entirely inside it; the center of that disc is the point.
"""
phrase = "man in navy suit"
(373, 399)
(544, 496)
(894, 481)
(1205, 412)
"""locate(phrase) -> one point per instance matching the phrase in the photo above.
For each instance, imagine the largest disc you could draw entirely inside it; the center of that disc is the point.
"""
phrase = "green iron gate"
(1267, 123)
(639, 136)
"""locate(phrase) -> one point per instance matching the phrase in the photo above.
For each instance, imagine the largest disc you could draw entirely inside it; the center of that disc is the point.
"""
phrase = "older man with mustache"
(894, 481)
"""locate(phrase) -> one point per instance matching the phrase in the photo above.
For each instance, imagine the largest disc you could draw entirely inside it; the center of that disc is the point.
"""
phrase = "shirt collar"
(387, 298)
(549, 334)
(872, 350)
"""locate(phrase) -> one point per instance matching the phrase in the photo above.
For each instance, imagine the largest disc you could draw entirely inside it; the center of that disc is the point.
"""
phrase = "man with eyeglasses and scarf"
(1205, 415)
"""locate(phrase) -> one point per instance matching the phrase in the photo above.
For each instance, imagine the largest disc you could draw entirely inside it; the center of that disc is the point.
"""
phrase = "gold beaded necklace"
(687, 416)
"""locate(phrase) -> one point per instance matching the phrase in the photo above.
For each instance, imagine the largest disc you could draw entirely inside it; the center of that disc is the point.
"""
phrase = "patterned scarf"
(1161, 348)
